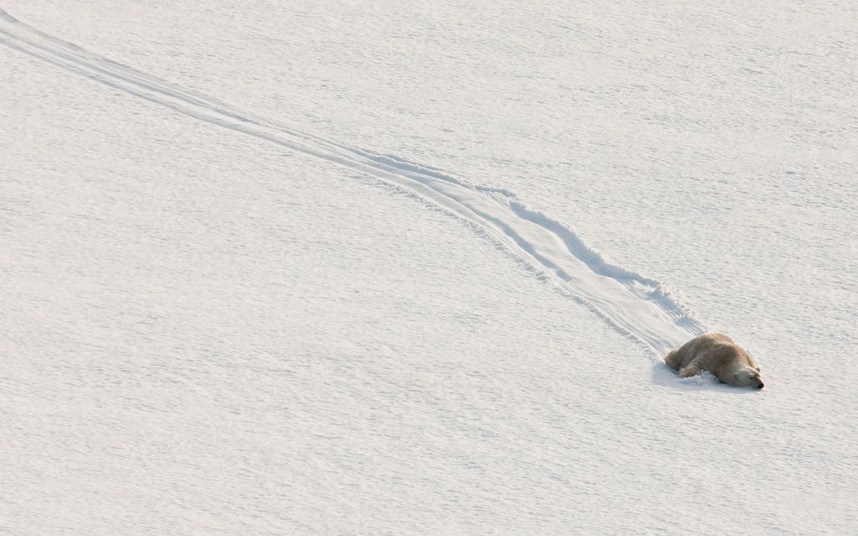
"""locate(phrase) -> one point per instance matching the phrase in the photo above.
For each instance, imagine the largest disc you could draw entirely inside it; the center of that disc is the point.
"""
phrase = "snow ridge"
(636, 306)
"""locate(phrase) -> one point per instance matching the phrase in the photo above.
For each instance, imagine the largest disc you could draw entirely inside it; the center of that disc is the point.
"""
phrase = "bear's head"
(747, 377)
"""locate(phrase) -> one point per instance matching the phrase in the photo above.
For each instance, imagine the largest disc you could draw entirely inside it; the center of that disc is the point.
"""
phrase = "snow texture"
(297, 320)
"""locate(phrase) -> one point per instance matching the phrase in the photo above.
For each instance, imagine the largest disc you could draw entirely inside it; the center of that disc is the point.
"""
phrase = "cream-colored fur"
(718, 354)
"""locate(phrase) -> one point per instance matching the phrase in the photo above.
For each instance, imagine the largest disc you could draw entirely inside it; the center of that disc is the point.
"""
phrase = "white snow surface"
(368, 267)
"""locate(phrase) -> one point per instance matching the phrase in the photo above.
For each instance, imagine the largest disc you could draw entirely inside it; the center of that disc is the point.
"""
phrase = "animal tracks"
(635, 306)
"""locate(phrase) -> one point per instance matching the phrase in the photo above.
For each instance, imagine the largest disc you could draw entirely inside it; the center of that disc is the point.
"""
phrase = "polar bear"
(718, 354)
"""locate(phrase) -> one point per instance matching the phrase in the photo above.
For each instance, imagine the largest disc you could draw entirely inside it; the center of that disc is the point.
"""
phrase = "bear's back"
(706, 348)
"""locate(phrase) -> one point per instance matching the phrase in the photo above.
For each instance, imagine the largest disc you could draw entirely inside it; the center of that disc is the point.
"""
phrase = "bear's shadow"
(667, 377)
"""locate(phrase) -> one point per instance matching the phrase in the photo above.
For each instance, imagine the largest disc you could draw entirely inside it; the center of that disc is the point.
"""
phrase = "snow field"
(205, 332)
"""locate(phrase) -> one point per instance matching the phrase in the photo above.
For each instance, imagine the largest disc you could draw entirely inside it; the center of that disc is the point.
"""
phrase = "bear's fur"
(718, 354)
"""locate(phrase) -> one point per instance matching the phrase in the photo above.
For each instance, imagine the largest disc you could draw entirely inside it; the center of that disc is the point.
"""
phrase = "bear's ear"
(758, 369)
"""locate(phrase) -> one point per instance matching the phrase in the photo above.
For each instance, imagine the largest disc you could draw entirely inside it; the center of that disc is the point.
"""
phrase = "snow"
(410, 268)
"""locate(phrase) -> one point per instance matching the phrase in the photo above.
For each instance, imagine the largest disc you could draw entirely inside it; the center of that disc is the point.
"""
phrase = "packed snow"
(302, 268)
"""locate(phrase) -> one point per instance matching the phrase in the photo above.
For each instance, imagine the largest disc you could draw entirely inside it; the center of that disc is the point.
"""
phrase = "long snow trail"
(635, 306)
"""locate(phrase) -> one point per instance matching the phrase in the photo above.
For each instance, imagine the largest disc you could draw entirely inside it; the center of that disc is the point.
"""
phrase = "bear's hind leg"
(692, 369)
(673, 359)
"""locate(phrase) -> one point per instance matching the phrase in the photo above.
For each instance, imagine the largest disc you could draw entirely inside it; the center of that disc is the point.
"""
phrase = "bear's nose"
(762, 385)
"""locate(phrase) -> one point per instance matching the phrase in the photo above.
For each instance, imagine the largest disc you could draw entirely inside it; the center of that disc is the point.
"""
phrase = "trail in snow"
(635, 306)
